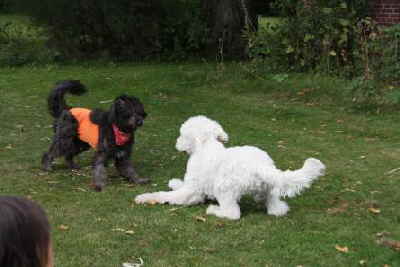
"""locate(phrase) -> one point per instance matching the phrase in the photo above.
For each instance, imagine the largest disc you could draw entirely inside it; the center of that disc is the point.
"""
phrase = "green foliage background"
(122, 29)
(335, 38)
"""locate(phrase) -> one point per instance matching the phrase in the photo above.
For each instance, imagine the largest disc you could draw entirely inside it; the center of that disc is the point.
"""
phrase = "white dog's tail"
(291, 183)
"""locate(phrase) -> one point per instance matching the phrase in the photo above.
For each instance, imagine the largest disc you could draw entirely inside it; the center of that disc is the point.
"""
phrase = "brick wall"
(385, 12)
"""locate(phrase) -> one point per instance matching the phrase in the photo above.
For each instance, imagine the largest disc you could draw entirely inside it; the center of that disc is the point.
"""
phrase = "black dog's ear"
(118, 105)
(112, 114)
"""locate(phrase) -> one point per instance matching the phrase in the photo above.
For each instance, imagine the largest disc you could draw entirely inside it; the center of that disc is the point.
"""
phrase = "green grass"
(292, 120)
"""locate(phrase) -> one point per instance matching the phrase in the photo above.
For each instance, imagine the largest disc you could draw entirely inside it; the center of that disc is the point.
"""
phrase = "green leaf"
(289, 50)
(344, 22)
(327, 10)
(308, 37)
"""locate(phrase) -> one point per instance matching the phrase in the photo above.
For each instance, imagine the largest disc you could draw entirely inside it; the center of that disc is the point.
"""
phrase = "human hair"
(24, 233)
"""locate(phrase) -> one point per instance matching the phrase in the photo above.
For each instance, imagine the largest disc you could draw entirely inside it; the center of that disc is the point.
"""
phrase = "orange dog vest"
(87, 130)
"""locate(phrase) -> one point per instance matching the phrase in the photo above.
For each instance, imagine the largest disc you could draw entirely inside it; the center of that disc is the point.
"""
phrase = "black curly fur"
(126, 112)
(55, 100)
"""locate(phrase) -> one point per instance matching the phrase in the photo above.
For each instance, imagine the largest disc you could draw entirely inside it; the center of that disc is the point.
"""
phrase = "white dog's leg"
(181, 196)
(228, 208)
(275, 206)
(175, 183)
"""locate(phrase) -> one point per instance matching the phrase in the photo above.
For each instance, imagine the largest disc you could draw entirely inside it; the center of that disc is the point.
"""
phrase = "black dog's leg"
(70, 162)
(48, 157)
(78, 147)
(126, 169)
(99, 171)
(66, 130)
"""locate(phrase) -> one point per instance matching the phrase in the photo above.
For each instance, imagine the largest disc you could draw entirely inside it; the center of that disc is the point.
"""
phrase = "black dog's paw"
(73, 166)
(140, 180)
(46, 162)
(98, 187)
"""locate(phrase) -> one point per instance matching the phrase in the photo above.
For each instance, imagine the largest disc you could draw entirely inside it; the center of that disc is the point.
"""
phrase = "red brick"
(385, 12)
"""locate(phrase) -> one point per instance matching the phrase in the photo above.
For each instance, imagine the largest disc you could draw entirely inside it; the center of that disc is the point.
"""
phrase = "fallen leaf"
(128, 264)
(63, 227)
(118, 230)
(342, 208)
(394, 244)
(81, 189)
(382, 234)
(220, 224)
(374, 210)
(173, 209)
(392, 171)
(342, 249)
(201, 219)
(210, 250)
(129, 232)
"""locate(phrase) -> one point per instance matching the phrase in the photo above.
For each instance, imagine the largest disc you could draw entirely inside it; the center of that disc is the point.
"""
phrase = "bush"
(121, 29)
(337, 38)
(379, 54)
(313, 35)
(22, 44)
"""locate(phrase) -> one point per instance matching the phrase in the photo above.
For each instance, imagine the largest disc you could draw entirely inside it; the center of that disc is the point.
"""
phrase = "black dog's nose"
(139, 123)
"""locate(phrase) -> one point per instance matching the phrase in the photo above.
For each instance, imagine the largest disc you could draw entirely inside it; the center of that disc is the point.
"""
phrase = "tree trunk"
(228, 22)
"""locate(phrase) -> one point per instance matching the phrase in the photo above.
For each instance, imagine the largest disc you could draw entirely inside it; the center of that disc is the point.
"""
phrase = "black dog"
(110, 133)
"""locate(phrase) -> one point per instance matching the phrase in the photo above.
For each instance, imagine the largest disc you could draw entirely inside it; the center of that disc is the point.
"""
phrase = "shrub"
(121, 29)
(379, 54)
(312, 35)
(22, 44)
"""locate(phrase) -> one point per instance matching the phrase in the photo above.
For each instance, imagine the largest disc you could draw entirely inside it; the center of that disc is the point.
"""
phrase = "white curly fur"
(226, 174)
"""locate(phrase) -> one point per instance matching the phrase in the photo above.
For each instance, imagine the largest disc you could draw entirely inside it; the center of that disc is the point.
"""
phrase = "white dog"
(226, 174)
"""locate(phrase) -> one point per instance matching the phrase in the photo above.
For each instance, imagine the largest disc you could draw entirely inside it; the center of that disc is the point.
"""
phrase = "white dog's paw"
(212, 210)
(145, 198)
(175, 184)
(279, 208)
(232, 213)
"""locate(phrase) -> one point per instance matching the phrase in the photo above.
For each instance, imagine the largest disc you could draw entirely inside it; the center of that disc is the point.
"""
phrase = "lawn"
(293, 119)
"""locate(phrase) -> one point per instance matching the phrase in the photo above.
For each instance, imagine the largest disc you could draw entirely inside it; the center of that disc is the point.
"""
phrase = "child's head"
(24, 234)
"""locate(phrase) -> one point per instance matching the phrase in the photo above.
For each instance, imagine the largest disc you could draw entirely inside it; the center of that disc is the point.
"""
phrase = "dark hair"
(24, 233)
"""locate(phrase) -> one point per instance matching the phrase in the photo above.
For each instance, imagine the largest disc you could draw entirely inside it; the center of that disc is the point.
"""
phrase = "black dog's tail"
(56, 102)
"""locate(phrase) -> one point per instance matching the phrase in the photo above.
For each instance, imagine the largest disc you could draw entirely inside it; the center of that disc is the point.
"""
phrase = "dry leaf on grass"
(391, 243)
(342, 208)
(201, 219)
(374, 210)
(392, 171)
(128, 264)
(81, 189)
(220, 224)
(128, 232)
(382, 234)
(342, 249)
(173, 209)
(63, 227)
